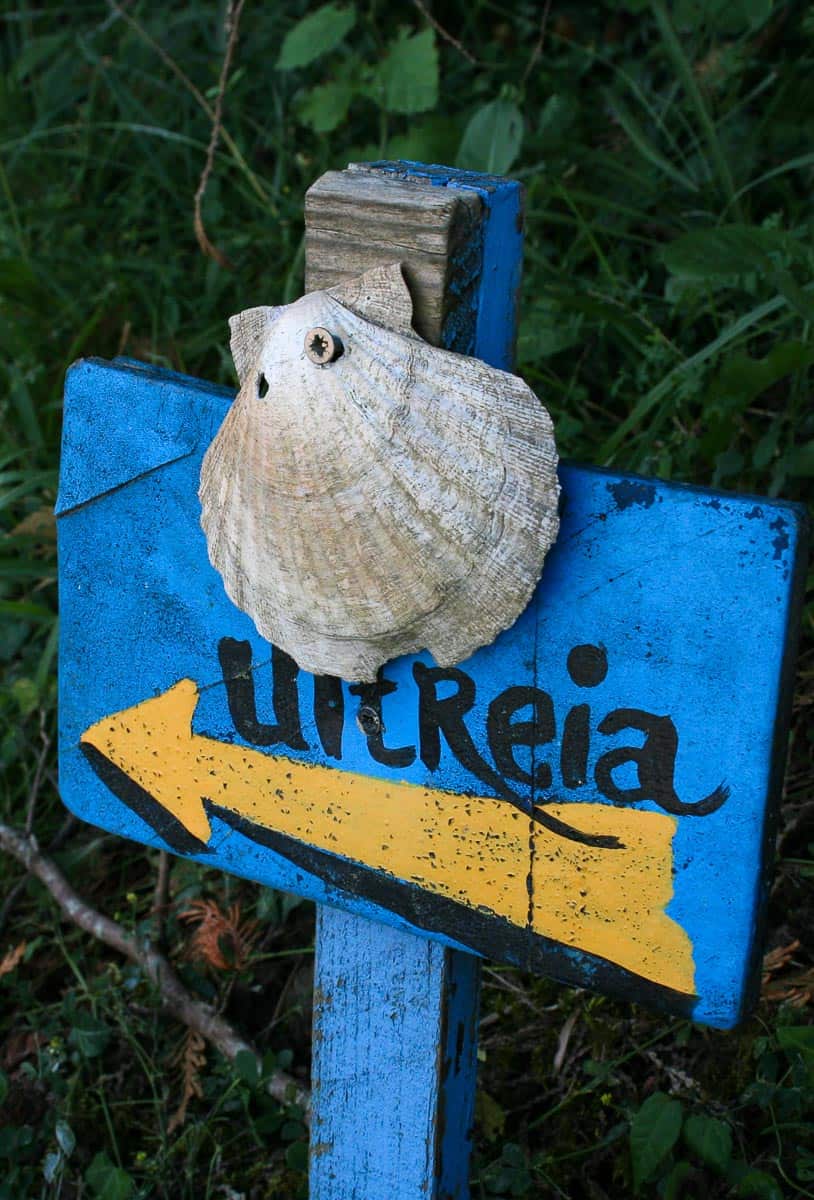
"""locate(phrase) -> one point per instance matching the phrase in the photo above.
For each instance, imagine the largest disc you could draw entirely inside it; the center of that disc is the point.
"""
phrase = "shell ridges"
(399, 498)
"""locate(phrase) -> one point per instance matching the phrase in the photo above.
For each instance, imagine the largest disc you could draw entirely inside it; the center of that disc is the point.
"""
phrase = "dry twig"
(445, 34)
(795, 987)
(564, 1039)
(231, 26)
(195, 92)
(33, 795)
(197, 1016)
(11, 961)
(14, 893)
(169, 62)
(161, 897)
(538, 48)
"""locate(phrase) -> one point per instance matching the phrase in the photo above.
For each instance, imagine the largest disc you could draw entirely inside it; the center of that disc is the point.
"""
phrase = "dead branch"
(445, 34)
(175, 998)
(195, 92)
(161, 898)
(231, 26)
(33, 795)
(538, 48)
(13, 895)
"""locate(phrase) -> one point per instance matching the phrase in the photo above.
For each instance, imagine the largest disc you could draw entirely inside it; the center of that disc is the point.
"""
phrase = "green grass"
(667, 311)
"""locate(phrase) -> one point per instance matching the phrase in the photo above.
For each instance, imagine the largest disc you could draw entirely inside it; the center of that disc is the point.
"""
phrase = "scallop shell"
(399, 498)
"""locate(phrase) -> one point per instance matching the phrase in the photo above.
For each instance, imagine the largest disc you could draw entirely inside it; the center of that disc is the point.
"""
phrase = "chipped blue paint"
(631, 491)
(695, 603)
(387, 1032)
(501, 260)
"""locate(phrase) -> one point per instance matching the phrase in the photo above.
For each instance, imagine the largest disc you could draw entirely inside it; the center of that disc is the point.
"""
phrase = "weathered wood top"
(349, 229)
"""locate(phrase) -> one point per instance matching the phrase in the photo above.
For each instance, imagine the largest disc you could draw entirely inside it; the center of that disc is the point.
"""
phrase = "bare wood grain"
(360, 218)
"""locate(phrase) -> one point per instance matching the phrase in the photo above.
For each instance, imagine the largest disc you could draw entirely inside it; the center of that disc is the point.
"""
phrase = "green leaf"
(509, 1175)
(25, 695)
(728, 252)
(433, 139)
(799, 1038)
(639, 138)
(296, 1156)
(796, 1037)
(710, 1140)
(407, 78)
(742, 378)
(89, 1034)
(315, 35)
(35, 52)
(106, 1181)
(326, 106)
(722, 16)
(729, 463)
(247, 1067)
(654, 1131)
(556, 119)
(791, 291)
(760, 1186)
(492, 139)
(546, 330)
(50, 1165)
(3, 1086)
(800, 462)
(491, 1117)
(674, 1184)
(65, 1138)
(766, 448)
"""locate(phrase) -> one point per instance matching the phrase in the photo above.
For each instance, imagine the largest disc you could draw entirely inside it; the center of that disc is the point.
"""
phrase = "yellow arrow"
(475, 851)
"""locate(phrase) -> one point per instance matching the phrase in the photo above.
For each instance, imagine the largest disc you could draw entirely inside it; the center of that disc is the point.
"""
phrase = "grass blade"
(685, 72)
(649, 401)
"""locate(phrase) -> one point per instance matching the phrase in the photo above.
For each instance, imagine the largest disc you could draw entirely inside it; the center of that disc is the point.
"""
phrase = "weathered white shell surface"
(399, 498)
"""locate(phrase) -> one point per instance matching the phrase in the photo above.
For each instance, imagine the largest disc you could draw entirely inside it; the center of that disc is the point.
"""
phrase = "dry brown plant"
(222, 940)
(190, 1059)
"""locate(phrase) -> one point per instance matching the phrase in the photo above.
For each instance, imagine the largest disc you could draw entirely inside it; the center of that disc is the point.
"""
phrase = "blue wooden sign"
(589, 797)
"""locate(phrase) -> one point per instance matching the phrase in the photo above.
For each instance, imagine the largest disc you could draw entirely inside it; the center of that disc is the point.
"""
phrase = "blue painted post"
(395, 1015)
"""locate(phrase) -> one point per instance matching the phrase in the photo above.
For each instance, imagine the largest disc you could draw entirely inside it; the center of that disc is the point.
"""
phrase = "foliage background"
(667, 310)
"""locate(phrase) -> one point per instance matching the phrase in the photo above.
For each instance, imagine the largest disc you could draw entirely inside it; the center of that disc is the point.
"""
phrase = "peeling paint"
(781, 542)
(630, 492)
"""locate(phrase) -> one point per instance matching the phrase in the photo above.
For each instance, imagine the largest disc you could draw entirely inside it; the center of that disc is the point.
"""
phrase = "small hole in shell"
(262, 386)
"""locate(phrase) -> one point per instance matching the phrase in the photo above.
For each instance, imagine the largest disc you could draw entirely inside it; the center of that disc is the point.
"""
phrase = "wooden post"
(395, 1015)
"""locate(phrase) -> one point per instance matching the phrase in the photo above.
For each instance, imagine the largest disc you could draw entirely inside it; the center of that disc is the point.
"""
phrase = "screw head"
(321, 346)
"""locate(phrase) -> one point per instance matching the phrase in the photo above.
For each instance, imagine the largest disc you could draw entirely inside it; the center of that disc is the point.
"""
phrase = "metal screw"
(321, 346)
(368, 720)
